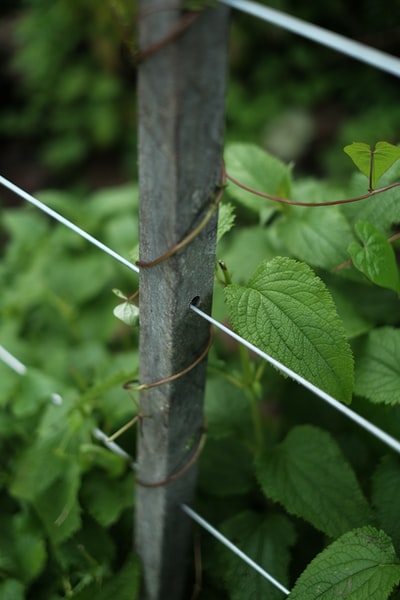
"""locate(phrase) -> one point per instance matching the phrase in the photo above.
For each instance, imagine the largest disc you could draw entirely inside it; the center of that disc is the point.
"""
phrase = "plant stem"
(252, 394)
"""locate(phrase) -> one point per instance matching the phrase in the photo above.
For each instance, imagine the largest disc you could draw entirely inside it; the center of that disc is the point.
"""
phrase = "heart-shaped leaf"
(128, 313)
(373, 163)
(375, 258)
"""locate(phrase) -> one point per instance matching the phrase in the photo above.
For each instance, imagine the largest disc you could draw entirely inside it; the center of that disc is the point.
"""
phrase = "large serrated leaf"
(375, 258)
(360, 565)
(377, 374)
(267, 541)
(287, 311)
(257, 169)
(309, 475)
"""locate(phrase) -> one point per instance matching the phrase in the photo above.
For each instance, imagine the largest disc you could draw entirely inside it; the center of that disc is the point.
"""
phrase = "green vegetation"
(302, 490)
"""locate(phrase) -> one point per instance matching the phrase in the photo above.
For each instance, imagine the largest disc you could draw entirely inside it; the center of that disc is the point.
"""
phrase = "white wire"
(18, 367)
(377, 58)
(100, 435)
(373, 429)
(12, 362)
(55, 215)
(221, 538)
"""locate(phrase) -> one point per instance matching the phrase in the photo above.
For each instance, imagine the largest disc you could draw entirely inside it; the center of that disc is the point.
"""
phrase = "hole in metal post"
(196, 301)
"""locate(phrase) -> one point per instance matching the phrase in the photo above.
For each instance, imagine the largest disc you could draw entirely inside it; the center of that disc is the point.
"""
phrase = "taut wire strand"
(221, 538)
(335, 41)
(339, 406)
(55, 215)
(12, 362)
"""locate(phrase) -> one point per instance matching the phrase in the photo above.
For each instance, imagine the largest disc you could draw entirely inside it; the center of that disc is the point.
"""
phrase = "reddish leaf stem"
(311, 204)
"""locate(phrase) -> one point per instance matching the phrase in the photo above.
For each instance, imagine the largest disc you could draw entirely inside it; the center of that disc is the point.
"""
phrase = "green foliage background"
(265, 476)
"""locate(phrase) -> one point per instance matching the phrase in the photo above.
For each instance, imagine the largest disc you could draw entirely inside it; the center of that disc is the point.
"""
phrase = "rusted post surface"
(181, 91)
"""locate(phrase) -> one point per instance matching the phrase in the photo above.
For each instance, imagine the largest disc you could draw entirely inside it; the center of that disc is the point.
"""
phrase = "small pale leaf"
(287, 311)
(119, 294)
(377, 373)
(375, 258)
(226, 219)
(308, 474)
(360, 565)
(128, 313)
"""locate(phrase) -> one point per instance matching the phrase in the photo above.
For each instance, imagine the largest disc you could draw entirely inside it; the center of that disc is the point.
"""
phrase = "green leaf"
(382, 210)
(385, 497)
(287, 311)
(226, 219)
(379, 160)
(58, 507)
(11, 589)
(267, 541)
(35, 388)
(226, 409)
(30, 477)
(309, 475)
(123, 585)
(119, 294)
(318, 236)
(105, 499)
(128, 313)
(376, 258)
(30, 548)
(360, 565)
(377, 373)
(216, 475)
(243, 251)
(257, 169)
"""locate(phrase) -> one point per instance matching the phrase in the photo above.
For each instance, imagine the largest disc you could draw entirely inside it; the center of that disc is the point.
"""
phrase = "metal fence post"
(181, 89)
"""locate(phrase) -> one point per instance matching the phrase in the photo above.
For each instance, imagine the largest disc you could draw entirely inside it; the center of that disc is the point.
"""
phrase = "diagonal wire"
(361, 421)
(55, 215)
(339, 406)
(221, 538)
(340, 43)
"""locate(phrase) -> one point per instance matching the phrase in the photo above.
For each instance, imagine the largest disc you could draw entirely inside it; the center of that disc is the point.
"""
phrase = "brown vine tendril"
(181, 471)
(183, 24)
(310, 204)
(194, 233)
(131, 384)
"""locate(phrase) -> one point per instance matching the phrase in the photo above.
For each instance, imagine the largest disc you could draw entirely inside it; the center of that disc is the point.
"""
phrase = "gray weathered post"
(181, 91)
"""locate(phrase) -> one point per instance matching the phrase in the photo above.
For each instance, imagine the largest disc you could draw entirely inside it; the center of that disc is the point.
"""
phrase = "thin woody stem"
(310, 204)
(194, 233)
